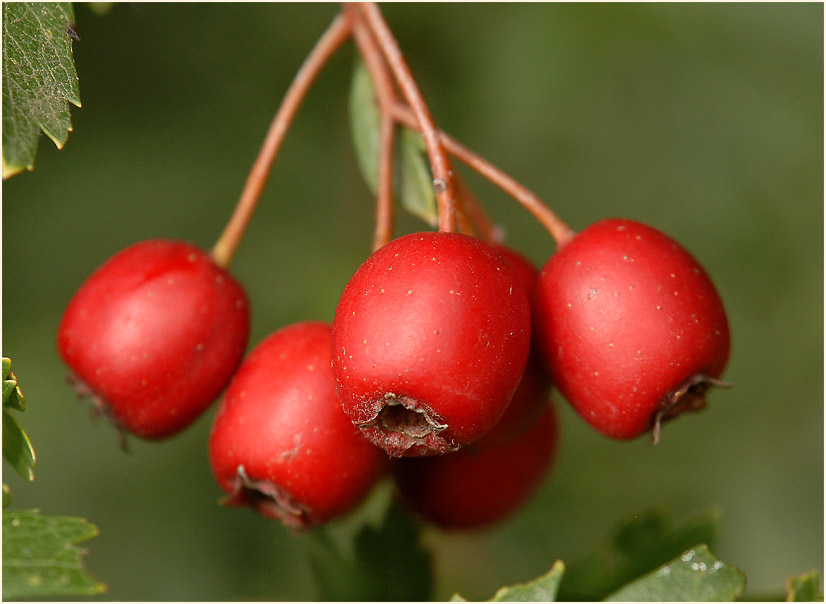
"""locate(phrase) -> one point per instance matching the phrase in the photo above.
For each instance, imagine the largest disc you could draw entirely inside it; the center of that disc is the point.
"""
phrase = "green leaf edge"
(17, 448)
(544, 588)
(82, 530)
(804, 587)
(701, 560)
(11, 168)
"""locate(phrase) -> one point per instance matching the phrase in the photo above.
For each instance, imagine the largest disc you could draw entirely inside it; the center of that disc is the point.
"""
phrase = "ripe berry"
(280, 442)
(154, 335)
(491, 478)
(430, 338)
(528, 273)
(632, 329)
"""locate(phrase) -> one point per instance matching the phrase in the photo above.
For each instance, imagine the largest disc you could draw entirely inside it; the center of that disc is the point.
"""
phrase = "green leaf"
(39, 79)
(385, 563)
(541, 589)
(694, 576)
(40, 558)
(17, 448)
(412, 179)
(12, 395)
(637, 545)
(804, 588)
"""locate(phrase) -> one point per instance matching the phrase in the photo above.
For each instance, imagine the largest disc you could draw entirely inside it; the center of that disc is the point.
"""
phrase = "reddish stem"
(386, 97)
(335, 35)
(439, 162)
(560, 231)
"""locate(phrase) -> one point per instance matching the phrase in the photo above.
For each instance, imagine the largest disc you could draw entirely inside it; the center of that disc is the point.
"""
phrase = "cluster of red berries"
(436, 368)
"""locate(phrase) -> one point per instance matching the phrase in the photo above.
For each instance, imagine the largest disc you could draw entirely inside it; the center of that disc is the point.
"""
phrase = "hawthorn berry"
(493, 477)
(528, 273)
(280, 442)
(632, 330)
(430, 338)
(154, 335)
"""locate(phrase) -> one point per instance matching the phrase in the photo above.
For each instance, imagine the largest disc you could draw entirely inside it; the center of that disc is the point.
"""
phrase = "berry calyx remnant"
(487, 481)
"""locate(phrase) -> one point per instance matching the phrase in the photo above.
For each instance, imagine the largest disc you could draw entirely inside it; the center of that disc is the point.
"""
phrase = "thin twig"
(335, 35)
(560, 231)
(386, 97)
(439, 161)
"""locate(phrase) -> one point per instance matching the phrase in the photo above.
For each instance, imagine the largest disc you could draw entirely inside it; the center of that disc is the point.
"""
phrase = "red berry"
(430, 338)
(535, 382)
(490, 479)
(632, 329)
(280, 442)
(154, 335)
(528, 273)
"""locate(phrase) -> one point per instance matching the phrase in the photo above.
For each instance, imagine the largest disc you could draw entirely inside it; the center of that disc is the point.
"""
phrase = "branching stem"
(439, 161)
(552, 223)
(386, 97)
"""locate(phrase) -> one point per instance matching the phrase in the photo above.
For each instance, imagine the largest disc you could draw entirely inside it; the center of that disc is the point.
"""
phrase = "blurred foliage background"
(704, 120)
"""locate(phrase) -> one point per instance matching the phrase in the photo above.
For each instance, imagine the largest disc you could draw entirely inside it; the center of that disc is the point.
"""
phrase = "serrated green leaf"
(387, 563)
(40, 558)
(542, 589)
(412, 179)
(804, 588)
(637, 545)
(39, 79)
(694, 576)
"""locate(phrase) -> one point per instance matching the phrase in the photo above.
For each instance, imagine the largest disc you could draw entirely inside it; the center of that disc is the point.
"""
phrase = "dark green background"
(704, 120)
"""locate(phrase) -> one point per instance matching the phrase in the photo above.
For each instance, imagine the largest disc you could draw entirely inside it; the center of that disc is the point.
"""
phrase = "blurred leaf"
(12, 396)
(364, 124)
(101, 8)
(694, 576)
(638, 545)
(387, 563)
(541, 589)
(17, 448)
(6, 496)
(804, 588)
(39, 79)
(39, 558)
(412, 180)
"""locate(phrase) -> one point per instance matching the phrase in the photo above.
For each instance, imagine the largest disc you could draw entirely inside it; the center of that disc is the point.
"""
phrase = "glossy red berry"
(280, 442)
(430, 338)
(528, 273)
(632, 329)
(491, 478)
(154, 335)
